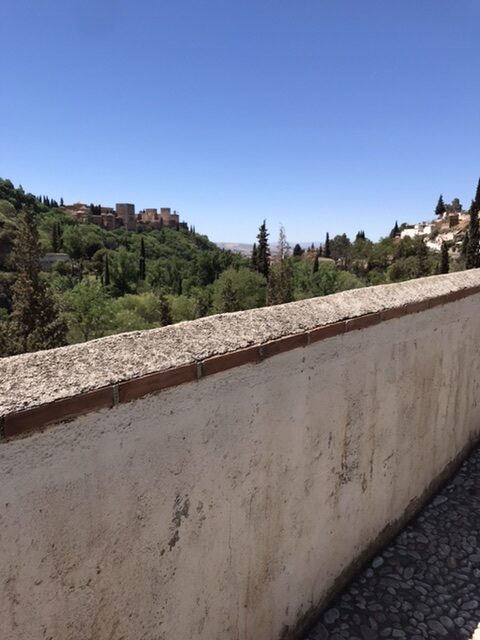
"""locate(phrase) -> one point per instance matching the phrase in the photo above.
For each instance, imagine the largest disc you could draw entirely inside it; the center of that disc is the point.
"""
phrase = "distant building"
(124, 216)
(453, 220)
(168, 218)
(149, 215)
(79, 211)
(126, 212)
(109, 220)
(410, 232)
(419, 229)
(49, 259)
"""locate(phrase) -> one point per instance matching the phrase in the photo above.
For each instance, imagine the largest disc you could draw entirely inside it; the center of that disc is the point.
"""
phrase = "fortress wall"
(237, 499)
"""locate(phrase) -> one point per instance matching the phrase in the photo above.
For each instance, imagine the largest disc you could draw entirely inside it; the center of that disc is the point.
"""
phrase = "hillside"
(111, 281)
(95, 281)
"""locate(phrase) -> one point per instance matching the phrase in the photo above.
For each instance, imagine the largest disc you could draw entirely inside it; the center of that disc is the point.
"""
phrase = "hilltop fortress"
(123, 215)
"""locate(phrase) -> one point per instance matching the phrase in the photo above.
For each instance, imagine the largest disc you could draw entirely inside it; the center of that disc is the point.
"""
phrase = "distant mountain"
(237, 247)
(246, 249)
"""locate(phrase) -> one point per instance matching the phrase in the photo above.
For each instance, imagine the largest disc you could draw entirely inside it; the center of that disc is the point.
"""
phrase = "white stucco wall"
(226, 508)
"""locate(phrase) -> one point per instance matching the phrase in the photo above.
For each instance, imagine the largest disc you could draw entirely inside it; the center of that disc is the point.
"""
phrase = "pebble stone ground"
(426, 583)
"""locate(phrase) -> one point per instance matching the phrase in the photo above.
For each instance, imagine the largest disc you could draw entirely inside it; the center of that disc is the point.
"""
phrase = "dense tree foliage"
(34, 322)
(104, 282)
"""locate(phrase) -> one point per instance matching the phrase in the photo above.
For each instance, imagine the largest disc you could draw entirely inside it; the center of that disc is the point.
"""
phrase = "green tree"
(395, 231)
(341, 250)
(165, 311)
(297, 251)
(106, 272)
(444, 263)
(263, 251)
(228, 300)
(136, 312)
(315, 262)
(35, 322)
(324, 281)
(124, 272)
(421, 254)
(464, 247)
(440, 209)
(182, 308)
(326, 248)
(280, 282)
(456, 206)
(141, 266)
(249, 287)
(472, 250)
(477, 197)
(254, 257)
(73, 242)
(403, 269)
(87, 310)
(4, 342)
(56, 237)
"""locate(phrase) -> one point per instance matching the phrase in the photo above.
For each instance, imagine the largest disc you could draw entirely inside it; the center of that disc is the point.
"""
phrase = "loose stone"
(425, 584)
(331, 616)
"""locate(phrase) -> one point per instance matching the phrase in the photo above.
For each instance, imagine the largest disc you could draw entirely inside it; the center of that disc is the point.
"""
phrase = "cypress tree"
(421, 253)
(106, 272)
(477, 197)
(263, 251)
(34, 323)
(297, 250)
(326, 250)
(254, 257)
(55, 238)
(61, 202)
(464, 249)
(142, 260)
(444, 265)
(60, 236)
(395, 231)
(165, 311)
(472, 254)
(472, 257)
(440, 209)
(315, 263)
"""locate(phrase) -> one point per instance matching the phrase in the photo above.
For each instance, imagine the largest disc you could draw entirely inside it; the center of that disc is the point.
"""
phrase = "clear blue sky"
(319, 114)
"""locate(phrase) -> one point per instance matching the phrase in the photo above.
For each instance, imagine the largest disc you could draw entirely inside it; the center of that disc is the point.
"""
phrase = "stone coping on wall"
(41, 388)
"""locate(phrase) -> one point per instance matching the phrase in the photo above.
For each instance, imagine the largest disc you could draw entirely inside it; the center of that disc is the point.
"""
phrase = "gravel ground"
(426, 584)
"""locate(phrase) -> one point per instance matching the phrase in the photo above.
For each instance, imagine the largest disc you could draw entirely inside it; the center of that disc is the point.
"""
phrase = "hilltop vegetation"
(107, 282)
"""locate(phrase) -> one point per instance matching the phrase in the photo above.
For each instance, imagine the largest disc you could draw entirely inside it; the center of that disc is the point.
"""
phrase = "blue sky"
(323, 115)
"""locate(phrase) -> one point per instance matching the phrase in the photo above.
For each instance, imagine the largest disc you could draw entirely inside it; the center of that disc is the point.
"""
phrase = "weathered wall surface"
(226, 508)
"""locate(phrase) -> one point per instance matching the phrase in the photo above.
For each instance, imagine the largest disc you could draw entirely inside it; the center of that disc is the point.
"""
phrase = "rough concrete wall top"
(32, 379)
